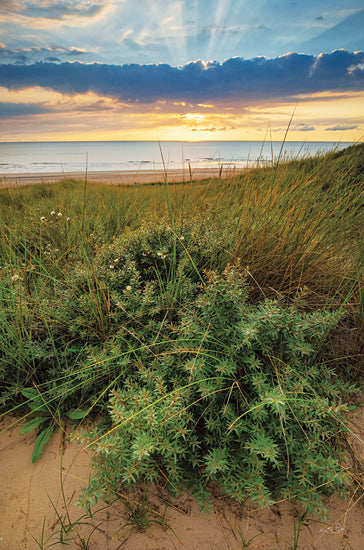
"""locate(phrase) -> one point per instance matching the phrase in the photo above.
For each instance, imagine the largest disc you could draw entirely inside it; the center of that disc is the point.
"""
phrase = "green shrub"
(234, 395)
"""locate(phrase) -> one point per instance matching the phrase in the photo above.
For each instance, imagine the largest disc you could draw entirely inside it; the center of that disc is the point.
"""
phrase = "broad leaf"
(35, 402)
(41, 440)
(33, 423)
(76, 414)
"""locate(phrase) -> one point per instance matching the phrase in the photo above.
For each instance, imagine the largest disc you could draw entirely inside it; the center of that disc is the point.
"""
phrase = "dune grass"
(209, 308)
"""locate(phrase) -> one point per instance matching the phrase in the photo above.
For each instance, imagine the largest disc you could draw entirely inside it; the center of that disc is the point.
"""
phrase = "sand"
(28, 491)
(118, 177)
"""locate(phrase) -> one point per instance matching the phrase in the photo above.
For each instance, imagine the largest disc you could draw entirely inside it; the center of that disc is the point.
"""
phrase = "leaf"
(30, 393)
(35, 402)
(76, 414)
(33, 423)
(41, 440)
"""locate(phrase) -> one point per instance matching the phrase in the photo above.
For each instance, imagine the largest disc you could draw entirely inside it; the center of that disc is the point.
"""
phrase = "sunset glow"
(105, 70)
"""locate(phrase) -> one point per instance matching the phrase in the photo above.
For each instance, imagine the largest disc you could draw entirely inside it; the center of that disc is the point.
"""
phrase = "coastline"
(122, 177)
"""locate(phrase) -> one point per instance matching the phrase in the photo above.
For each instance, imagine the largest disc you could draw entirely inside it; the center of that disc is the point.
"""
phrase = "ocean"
(63, 157)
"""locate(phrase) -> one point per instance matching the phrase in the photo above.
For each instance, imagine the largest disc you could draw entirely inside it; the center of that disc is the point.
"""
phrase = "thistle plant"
(233, 393)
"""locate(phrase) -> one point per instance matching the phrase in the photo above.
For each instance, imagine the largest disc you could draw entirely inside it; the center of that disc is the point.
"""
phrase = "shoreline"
(121, 177)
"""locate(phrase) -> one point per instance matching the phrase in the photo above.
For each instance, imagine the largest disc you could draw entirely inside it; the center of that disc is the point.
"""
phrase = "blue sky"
(184, 69)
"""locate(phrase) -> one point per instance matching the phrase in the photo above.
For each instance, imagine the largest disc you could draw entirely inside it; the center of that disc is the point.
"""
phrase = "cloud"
(52, 9)
(31, 54)
(301, 127)
(234, 79)
(96, 106)
(341, 128)
(10, 110)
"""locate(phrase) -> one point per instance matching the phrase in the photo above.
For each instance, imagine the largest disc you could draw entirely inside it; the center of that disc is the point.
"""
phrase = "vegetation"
(210, 330)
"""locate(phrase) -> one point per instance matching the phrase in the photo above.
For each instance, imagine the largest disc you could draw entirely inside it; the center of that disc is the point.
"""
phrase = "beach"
(120, 177)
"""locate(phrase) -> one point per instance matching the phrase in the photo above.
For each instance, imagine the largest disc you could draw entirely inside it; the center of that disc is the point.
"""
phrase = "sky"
(189, 70)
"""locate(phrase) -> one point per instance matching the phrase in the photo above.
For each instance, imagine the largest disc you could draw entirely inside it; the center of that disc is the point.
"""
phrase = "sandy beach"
(123, 177)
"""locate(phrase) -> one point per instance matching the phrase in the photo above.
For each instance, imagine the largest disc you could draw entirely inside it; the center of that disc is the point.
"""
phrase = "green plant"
(219, 317)
(237, 396)
(141, 515)
(69, 531)
(240, 538)
(45, 418)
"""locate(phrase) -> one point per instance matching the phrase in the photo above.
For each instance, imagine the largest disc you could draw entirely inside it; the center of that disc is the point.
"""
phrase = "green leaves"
(33, 424)
(46, 414)
(76, 414)
(217, 460)
(35, 401)
(232, 394)
(40, 442)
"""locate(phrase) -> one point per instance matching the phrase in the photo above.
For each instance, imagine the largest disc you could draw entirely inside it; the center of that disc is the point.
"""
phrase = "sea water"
(64, 157)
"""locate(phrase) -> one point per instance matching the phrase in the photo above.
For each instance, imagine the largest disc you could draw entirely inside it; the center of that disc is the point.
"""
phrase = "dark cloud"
(341, 128)
(304, 128)
(10, 110)
(235, 79)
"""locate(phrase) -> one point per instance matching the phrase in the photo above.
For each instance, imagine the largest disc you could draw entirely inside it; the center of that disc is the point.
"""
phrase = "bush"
(234, 394)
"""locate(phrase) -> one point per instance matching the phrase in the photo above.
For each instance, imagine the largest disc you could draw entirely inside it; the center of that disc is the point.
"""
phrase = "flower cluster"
(55, 217)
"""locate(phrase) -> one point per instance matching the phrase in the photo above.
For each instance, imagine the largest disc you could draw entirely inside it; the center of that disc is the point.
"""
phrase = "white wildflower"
(53, 213)
(15, 278)
(128, 287)
(111, 266)
(59, 214)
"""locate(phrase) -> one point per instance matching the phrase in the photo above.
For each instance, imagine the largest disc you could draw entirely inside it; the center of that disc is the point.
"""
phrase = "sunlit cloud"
(45, 114)
(184, 69)
(197, 81)
(51, 9)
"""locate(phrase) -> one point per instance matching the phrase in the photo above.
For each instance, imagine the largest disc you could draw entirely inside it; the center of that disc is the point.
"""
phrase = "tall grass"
(94, 284)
